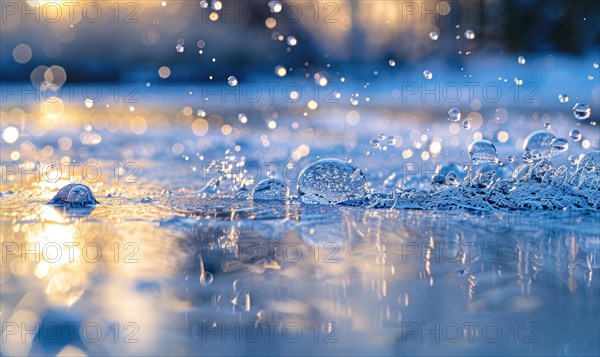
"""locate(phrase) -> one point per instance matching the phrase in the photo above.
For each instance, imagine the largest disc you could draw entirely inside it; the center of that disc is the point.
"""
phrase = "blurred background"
(131, 40)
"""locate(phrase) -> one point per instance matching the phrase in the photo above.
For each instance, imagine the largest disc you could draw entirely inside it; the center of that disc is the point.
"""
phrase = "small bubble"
(590, 78)
(518, 81)
(201, 44)
(563, 98)
(392, 63)
(595, 65)
(391, 140)
(575, 135)
(521, 60)
(466, 124)
(374, 143)
(581, 111)
(547, 125)
(454, 115)
(180, 48)
(427, 74)
(469, 34)
(232, 81)
(433, 35)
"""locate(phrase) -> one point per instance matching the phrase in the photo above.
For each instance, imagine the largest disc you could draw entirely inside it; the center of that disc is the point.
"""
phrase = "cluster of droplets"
(381, 142)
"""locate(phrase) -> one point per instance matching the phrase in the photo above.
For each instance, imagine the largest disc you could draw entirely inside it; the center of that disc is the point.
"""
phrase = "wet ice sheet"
(182, 277)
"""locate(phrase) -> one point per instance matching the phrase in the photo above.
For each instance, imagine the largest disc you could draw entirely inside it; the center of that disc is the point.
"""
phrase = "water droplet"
(74, 194)
(331, 181)
(454, 114)
(180, 48)
(392, 63)
(482, 151)
(391, 140)
(382, 136)
(374, 143)
(547, 125)
(427, 74)
(560, 144)
(563, 98)
(204, 4)
(242, 118)
(433, 35)
(518, 81)
(466, 124)
(590, 78)
(275, 6)
(232, 81)
(581, 111)
(575, 135)
(521, 60)
(539, 143)
(469, 34)
(292, 41)
(271, 189)
(595, 65)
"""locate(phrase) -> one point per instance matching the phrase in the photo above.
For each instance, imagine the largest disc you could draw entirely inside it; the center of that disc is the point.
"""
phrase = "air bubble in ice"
(482, 151)
(331, 181)
(271, 189)
(74, 194)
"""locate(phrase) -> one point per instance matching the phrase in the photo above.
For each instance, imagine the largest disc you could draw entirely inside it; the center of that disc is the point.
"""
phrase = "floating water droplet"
(74, 194)
(427, 74)
(595, 65)
(563, 98)
(454, 114)
(391, 140)
(560, 144)
(575, 135)
(469, 34)
(581, 111)
(518, 81)
(521, 60)
(590, 78)
(271, 189)
(374, 143)
(547, 125)
(331, 181)
(180, 48)
(204, 4)
(382, 136)
(392, 63)
(466, 124)
(242, 118)
(275, 6)
(482, 151)
(232, 81)
(433, 35)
